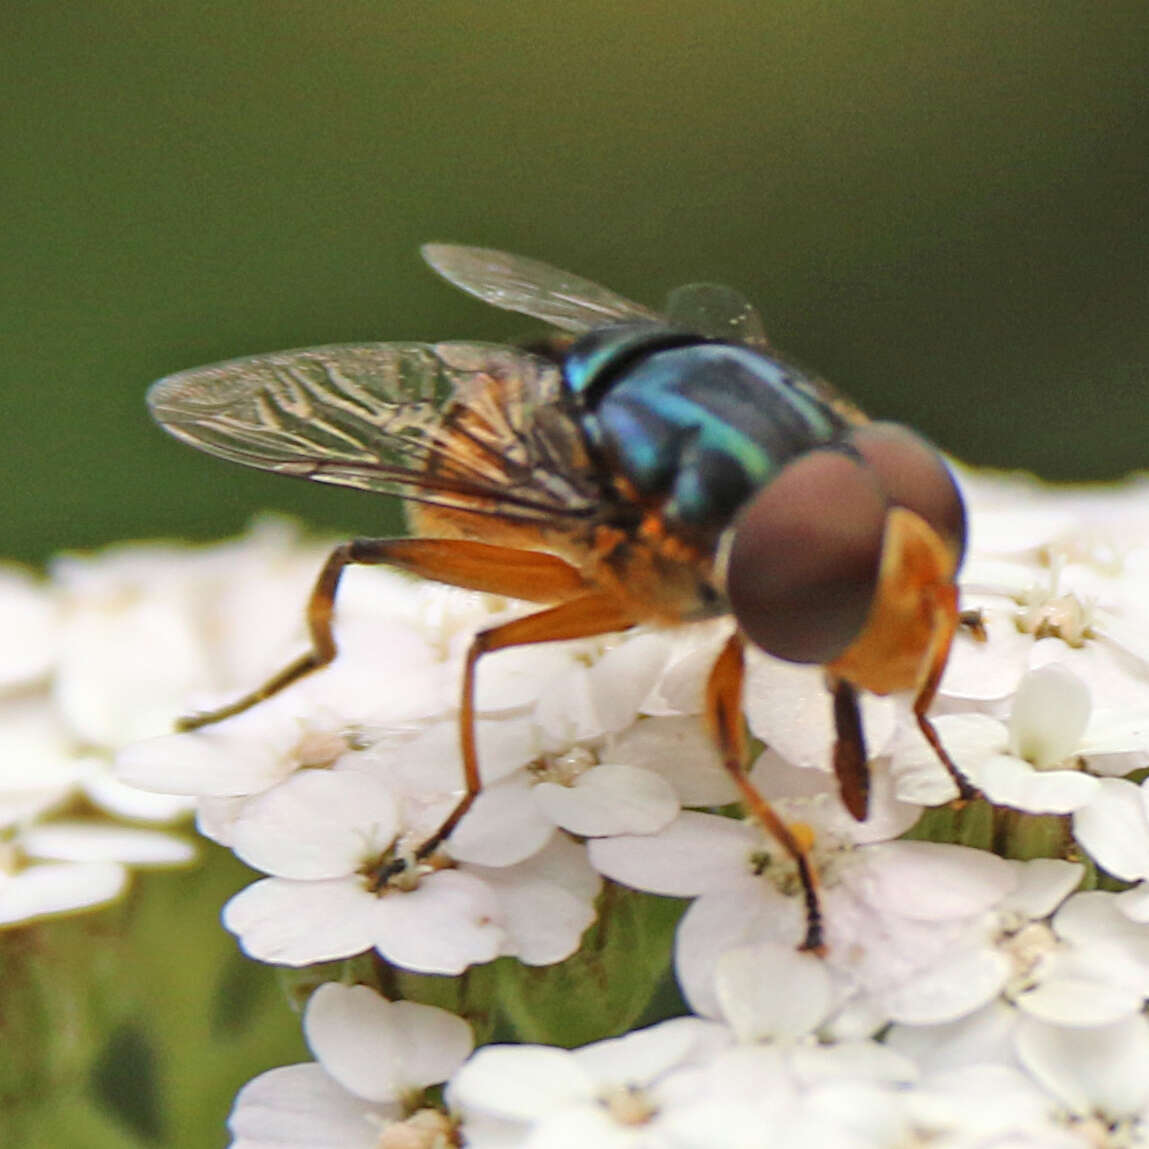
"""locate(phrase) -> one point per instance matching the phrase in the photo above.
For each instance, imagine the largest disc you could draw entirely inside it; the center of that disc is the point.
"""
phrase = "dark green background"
(942, 207)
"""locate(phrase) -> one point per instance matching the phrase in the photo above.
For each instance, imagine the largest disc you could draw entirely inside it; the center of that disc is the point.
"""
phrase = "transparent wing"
(515, 283)
(718, 313)
(574, 304)
(469, 425)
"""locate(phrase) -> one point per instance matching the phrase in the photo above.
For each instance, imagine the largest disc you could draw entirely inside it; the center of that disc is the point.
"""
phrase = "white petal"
(450, 921)
(106, 842)
(126, 671)
(302, 1107)
(522, 1082)
(979, 1038)
(562, 861)
(37, 753)
(1004, 528)
(1049, 715)
(682, 688)
(986, 671)
(19, 807)
(504, 825)
(1010, 781)
(298, 923)
(428, 760)
(983, 1100)
(387, 673)
(117, 797)
(209, 762)
(1092, 1070)
(851, 1062)
(768, 991)
(643, 1056)
(1094, 916)
(1115, 731)
(29, 623)
(851, 1115)
(683, 752)
(610, 799)
(1043, 884)
(749, 911)
(624, 676)
(509, 679)
(1079, 1001)
(954, 988)
(58, 888)
(969, 739)
(215, 817)
(378, 1049)
(789, 708)
(696, 852)
(930, 881)
(1114, 829)
(317, 824)
(566, 712)
(546, 902)
(579, 1126)
(1134, 903)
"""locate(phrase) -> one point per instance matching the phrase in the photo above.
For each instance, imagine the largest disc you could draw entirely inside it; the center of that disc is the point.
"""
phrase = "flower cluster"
(986, 969)
(93, 657)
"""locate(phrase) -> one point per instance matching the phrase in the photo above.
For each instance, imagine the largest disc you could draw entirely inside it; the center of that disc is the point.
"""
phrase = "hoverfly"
(635, 468)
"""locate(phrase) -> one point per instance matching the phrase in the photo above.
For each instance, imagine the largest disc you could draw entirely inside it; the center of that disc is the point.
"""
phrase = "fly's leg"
(947, 619)
(724, 713)
(530, 575)
(972, 621)
(583, 617)
(850, 758)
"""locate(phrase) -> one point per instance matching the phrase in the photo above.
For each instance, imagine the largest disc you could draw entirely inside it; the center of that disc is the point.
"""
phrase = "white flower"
(62, 866)
(1031, 763)
(1002, 1078)
(794, 1095)
(987, 1106)
(746, 890)
(29, 622)
(60, 851)
(1058, 574)
(374, 1059)
(1004, 950)
(1097, 969)
(330, 837)
(1098, 1074)
(1085, 970)
(572, 791)
(621, 1092)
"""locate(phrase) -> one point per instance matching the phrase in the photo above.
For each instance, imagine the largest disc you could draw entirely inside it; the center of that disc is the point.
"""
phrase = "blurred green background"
(941, 207)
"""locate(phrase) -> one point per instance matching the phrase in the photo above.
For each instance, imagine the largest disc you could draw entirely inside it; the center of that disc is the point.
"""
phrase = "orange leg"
(530, 575)
(583, 617)
(724, 714)
(947, 619)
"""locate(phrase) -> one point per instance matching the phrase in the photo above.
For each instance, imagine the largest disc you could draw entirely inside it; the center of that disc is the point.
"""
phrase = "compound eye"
(803, 563)
(915, 476)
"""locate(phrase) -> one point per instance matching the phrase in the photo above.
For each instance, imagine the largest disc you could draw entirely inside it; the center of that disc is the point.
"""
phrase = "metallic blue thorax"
(695, 427)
